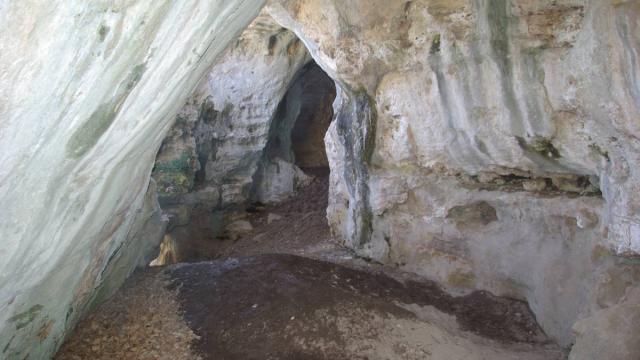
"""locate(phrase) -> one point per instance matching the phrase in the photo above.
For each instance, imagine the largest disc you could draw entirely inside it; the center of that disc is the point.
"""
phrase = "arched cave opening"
(316, 113)
(296, 137)
(227, 174)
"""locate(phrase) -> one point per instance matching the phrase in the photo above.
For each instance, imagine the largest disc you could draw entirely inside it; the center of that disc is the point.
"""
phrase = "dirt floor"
(295, 226)
(287, 290)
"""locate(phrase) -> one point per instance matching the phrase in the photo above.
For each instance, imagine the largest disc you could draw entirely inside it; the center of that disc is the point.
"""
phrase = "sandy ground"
(287, 290)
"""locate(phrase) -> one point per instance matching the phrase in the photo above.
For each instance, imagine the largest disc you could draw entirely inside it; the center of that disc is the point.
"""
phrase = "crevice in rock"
(570, 185)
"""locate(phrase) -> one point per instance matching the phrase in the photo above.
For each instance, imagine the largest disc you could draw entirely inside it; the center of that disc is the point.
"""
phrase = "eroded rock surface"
(611, 333)
(232, 143)
(220, 136)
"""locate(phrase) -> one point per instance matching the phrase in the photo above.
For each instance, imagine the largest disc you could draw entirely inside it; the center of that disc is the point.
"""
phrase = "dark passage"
(316, 113)
(302, 119)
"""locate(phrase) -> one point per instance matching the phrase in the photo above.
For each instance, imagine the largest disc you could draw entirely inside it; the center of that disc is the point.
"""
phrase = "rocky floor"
(287, 291)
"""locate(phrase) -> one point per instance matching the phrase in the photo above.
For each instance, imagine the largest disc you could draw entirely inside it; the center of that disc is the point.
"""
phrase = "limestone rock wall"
(87, 93)
(249, 83)
(486, 144)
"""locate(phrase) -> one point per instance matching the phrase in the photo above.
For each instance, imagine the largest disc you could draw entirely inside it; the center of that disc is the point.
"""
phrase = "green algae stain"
(134, 77)
(461, 279)
(499, 21)
(175, 176)
(102, 32)
(544, 147)
(170, 184)
(88, 134)
(598, 150)
(435, 44)
(181, 164)
(499, 28)
(25, 318)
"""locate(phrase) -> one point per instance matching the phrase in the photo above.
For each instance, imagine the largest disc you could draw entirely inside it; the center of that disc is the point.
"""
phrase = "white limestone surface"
(87, 92)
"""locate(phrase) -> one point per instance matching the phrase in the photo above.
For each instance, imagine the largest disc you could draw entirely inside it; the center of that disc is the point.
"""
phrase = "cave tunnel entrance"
(296, 135)
(278, 194)
(316, 113)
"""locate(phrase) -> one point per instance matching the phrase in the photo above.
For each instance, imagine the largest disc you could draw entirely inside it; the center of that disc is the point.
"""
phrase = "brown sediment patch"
(291, 307)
